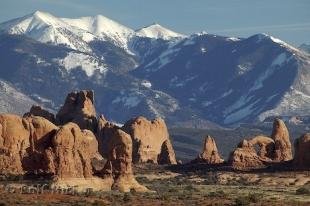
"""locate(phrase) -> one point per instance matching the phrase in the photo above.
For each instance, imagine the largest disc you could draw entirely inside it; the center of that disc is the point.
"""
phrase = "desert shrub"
(127, 197)
(190, 188)
(173, 190)
(255, 197)
(242, 201)
(303, 191)
(250, 198)
(98, 203)
(143, 180)
(218, 193)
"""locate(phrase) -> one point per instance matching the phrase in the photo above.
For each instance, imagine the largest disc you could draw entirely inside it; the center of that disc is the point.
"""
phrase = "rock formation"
(37, 110)
(245, 157)
(167, 155)
(14, 142)
(71, 152)
(41, 131)
(209, 154)
(280, 135)
(33, 145)
(119, 164)
(148, 138)
(79, 108)
(302, 152)
(105, 131)
(260, 150)
(264, 147)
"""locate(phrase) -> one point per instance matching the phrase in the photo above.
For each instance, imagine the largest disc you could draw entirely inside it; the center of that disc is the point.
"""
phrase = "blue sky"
(288, 20)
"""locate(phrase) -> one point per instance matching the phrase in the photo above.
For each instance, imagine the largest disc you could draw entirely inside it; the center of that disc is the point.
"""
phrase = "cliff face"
(151, 141)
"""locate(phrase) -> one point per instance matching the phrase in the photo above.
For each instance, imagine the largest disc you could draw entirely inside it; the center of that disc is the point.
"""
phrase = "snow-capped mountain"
(156, 31)
(47, 28)
(231, 80)
(103, 29)
(153, 71)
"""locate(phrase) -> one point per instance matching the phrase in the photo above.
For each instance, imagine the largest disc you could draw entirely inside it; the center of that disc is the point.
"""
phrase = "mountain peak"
(263, 36)
(157, 31)
(40, 13)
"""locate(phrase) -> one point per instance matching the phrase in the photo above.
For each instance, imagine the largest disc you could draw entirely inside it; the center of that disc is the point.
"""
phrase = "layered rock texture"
(261, 151)
(151, 141)
(209, 154)
(302, 152)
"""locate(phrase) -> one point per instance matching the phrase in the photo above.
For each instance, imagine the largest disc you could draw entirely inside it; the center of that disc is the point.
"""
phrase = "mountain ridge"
(187, 80)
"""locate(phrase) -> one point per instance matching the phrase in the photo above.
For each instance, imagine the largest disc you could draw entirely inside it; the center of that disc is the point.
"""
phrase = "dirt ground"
(169, 187)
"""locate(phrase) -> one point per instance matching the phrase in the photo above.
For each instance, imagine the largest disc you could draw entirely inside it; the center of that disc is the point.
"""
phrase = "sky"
(288, 20)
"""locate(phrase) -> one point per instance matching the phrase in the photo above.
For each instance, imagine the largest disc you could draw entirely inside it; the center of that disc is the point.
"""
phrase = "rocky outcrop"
(79, 108)
(148, 139)
(22, 143)
(264, 147)
(35, 145)
(209, 154)
(14, 142)
(280, 135)
(37, 110)
(71, 152)
(67, 153)
(41, 132)
(119, 164)
(105, 131)
(245, 157)
(302, 152)
(167, 155)
(261, 150)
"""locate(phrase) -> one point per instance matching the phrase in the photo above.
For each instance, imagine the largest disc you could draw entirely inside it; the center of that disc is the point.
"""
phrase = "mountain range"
(200, 80)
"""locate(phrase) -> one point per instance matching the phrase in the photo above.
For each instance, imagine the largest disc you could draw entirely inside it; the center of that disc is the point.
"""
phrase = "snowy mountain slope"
(78, 33)
(47, 28)
(232, 80)
(156, 31)
(104, 28)
(188, 80)
(12, 100)
(45, 77)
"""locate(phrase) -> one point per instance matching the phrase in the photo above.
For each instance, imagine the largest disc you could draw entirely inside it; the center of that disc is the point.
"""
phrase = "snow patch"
(279, 60)
(233, 39)
(87, 63)
(156, 31)
(146, 84)
(128, 101)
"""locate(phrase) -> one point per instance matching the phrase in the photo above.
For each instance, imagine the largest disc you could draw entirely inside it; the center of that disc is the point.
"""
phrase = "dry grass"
(173, 188)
